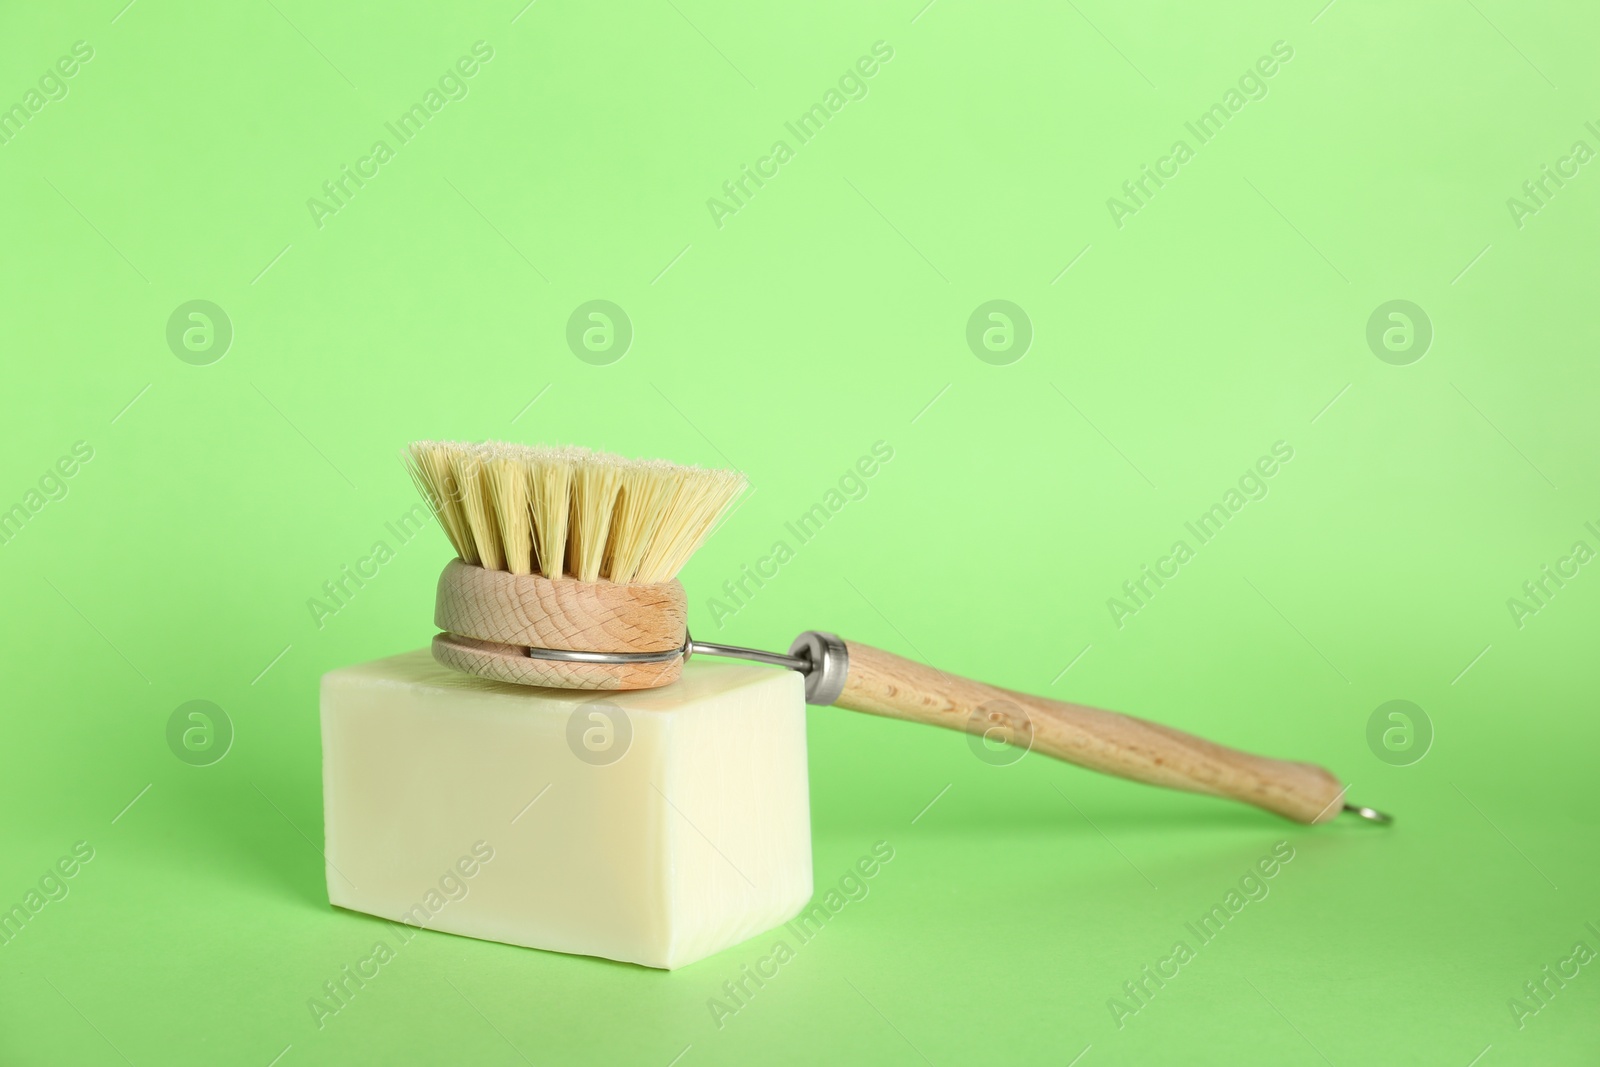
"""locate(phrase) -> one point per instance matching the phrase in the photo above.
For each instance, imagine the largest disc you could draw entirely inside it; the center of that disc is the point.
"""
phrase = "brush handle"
(880, 683)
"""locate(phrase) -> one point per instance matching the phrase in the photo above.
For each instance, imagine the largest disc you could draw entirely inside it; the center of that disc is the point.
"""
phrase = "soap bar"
(655, 827)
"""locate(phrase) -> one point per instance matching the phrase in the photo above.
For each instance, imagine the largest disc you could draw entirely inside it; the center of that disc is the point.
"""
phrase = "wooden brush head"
(566, 550)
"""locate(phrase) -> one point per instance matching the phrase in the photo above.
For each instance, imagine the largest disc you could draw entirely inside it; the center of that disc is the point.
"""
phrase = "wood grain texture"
(511, 663)
(538, 612)
(881, 683)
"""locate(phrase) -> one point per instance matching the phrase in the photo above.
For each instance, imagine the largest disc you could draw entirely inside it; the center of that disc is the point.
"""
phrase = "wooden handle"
(881, 683)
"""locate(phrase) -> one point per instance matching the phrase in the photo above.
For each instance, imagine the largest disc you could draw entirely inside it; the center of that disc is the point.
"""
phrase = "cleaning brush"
(566, 576)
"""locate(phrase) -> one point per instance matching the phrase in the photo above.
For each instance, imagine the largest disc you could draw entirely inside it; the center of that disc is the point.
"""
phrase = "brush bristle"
(569, 512)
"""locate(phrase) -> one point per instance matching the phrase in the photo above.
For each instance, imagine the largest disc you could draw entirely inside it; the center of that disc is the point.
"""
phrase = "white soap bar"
(655, 826)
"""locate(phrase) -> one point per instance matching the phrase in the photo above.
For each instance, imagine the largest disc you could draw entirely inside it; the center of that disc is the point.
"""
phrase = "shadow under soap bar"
(655, 826)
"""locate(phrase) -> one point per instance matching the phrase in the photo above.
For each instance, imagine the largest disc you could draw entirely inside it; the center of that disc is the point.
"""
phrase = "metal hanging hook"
(1372, 815)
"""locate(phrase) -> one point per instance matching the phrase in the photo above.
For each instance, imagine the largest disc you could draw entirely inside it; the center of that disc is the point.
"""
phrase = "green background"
(829, 313)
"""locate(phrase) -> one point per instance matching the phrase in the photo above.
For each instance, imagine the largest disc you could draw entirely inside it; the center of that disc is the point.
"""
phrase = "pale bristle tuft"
(594, 499)
(550, 494)
(508, 477)
(695, 505)
(645, 490)
(468, 467)
(569, 512)
(430, 467)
